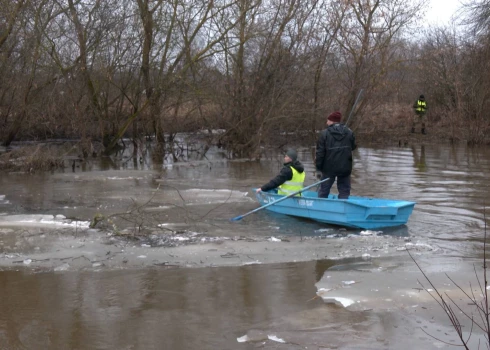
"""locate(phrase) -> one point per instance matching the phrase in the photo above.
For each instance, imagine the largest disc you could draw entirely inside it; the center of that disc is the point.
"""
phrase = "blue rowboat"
(355, 212)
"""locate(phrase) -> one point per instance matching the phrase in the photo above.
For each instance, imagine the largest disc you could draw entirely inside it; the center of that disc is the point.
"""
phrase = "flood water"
(270, 306)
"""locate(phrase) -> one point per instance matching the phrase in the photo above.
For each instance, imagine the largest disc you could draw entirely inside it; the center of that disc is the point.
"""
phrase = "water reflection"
(449, 184)
(419, 158)
(152, 309)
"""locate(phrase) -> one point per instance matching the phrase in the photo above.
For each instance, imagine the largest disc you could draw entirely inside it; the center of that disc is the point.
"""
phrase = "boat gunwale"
(355, 200)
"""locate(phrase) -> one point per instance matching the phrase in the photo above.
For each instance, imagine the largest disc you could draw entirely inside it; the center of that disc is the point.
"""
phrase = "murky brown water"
(214, 308)
(149, 309)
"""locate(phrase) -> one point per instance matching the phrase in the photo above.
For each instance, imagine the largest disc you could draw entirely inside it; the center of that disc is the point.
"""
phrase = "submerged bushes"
(32, 159)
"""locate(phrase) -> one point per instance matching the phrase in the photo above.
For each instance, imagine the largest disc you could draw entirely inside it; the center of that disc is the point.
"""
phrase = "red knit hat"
(335, 117)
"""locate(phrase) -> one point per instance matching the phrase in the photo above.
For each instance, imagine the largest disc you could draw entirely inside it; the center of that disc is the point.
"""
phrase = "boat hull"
(355, 212)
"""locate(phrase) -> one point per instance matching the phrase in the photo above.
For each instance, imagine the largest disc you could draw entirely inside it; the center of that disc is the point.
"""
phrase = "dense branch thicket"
(100, 70)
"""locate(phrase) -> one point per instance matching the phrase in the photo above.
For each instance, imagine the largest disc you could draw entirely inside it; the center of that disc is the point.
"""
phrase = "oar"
(277, 201)
(354, 106)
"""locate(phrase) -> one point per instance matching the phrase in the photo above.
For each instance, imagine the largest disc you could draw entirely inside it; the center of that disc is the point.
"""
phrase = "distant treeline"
(98, 70)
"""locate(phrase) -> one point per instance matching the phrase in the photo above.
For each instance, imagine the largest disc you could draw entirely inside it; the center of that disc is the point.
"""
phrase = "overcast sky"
(440, 11)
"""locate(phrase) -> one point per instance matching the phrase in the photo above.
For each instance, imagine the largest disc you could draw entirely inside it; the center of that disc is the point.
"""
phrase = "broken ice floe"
(63, 267)
(210, 196)
(275, 338)
(199, 197)
(365, 288)
(243, 339)
(11, 256)
(175, 239)
(218, 193)
(345, 302)
(3, 200)
(124, 178)
(260, 337)
(184, 237)
(370, 233)
(41, 220)
(323, 230)
(180, 238)
(417, 246)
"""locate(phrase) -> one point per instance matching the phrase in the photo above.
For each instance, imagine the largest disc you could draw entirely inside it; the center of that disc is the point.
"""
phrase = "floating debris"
(275, 338)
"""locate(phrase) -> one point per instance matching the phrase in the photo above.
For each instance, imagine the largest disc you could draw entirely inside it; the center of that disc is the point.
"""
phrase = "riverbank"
(403, 137)
(49, 155)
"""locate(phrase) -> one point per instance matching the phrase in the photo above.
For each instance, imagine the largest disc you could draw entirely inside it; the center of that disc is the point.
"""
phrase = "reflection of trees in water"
(185, 151)
(419, 159)
(178, 148)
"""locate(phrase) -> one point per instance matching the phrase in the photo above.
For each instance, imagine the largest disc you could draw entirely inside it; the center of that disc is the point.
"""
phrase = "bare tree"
(176, 36)
(30, 27)
(478, 14)
(11, 12)
(263, 70)
(261, 64)
(365, 41)
(91, 44)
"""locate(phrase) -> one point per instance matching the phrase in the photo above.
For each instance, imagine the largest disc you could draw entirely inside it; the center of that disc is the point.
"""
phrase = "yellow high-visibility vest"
(293, 185)
(421, 105)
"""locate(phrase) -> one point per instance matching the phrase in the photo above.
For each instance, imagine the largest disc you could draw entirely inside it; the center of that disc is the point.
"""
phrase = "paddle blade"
(237, 218)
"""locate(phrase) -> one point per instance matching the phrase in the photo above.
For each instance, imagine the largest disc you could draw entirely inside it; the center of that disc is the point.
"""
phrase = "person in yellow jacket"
(291, 177)
(420, 107)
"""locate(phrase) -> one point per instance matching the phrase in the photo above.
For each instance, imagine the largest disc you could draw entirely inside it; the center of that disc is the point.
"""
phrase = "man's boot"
(413, 130)
(423, 131)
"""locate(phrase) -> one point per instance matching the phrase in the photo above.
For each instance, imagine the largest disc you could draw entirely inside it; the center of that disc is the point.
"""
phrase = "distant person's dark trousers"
(343, 185)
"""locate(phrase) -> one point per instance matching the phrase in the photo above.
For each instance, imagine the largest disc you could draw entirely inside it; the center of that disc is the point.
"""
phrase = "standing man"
(420, 107)
(334, 156)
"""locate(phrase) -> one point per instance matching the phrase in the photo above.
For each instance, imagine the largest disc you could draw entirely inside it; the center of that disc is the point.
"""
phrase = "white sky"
(439, 12)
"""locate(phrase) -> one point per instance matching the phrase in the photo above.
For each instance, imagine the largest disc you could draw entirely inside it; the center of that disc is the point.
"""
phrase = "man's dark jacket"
(285, 174)
(334, 150)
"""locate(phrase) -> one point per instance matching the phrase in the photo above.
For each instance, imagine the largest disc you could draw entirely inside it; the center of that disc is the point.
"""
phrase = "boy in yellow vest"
(290, 178)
